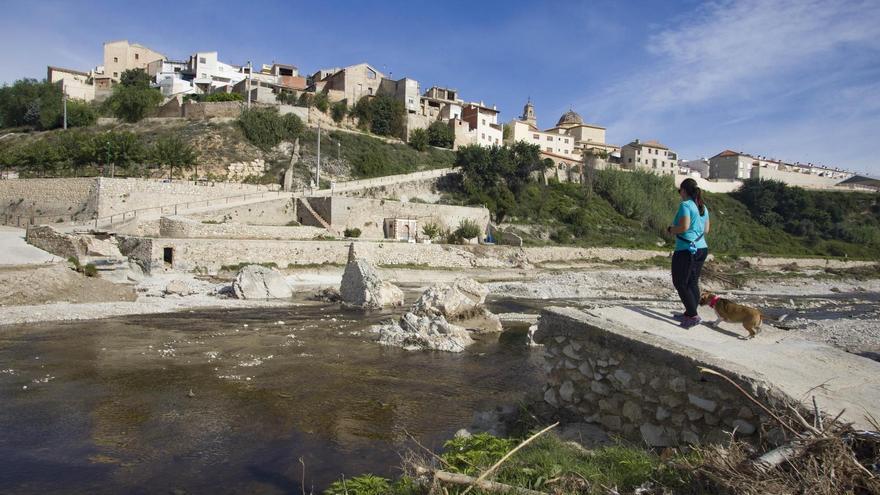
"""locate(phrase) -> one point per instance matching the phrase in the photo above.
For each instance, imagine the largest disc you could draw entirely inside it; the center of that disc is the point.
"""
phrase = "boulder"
(361, 286)
(415, 332)
(260, 282)
(181, 288)
(462, 298)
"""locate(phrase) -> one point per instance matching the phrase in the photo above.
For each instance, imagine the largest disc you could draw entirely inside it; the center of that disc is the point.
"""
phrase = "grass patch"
(304, 266)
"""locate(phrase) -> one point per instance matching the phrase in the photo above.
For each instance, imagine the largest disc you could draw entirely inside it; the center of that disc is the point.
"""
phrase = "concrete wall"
(185, 228)
(808, 181)
(641, 388)
(273, 212)
(210, 254)
(425, 190)
(119, 195)
(205, 110)
(711, 186)
(47, 200)
(369, 214)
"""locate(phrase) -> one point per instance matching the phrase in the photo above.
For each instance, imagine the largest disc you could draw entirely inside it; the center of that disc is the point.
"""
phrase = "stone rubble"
(260, 282)
(361, 286)
(413, 332)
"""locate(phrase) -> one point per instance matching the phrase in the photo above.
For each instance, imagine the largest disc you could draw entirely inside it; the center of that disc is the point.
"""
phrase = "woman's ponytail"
(698, 198)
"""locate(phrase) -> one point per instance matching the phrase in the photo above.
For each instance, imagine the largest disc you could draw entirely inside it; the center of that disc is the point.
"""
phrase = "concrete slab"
(798, 367)
(15, 251)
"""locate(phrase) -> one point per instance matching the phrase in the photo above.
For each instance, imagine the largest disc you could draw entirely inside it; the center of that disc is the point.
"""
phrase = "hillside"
(223, 152)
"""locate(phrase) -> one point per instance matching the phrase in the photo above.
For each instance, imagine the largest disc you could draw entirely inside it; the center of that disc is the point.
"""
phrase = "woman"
(690, 226)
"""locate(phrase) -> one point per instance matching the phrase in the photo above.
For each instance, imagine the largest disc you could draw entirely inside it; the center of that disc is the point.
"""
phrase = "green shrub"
(352, 232)
(431, 230)
(470, 455)
(31, 103)
(173, 152)
(338, 111)
(382, 115)
(133, 99)
(468, 229)
(214, 97)
(418, 139)
(265, 128)
(305, 99)
(322, 102)
(73, 260)
(441, 135)
(89, 270)
(80, 114)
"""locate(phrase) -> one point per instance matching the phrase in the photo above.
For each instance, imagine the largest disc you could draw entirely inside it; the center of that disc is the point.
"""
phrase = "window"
(566, 152)
(115, 59)
(168, 256)
(536, 136)
(371, 74)
(639, 160)
(137, 56)
(484, 121)
(566, 141)
(549, 138)
(370, 90)
(115, 74)
(629, 160)
(483, 136)
(549, 149)
(638, 152)
(203, 60)
(204, 76)
(655, 162)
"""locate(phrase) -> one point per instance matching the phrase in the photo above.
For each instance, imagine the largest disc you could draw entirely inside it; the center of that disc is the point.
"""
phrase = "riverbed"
(232, 401)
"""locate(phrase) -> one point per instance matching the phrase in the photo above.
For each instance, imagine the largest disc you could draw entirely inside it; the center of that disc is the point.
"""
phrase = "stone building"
(649, 156)
(566, 143)
(733, 165)
(121, 55)
(75, 84)
(482, 120)
(350, 83)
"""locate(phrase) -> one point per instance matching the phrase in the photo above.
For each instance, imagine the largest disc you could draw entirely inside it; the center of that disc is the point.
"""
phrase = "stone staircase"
(311, 216)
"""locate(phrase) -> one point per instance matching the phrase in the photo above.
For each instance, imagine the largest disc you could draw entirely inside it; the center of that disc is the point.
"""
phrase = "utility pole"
(338, 151)
(248, 84)
(64, 102)
(318, 166)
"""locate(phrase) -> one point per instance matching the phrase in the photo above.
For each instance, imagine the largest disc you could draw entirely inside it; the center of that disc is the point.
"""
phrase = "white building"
(483, 122)
(699, 166)
(650, 156)
(75, 84)
(210, 74)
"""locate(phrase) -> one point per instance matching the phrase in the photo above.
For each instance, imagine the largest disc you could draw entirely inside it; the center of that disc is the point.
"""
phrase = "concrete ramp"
(793, 365)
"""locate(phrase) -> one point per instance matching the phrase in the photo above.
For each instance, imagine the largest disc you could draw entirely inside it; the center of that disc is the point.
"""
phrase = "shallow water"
(104, 407)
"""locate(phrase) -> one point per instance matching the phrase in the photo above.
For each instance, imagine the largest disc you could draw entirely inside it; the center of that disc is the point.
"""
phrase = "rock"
(611, 422)
(461, 299)
(260, 282)
(632, 411)
(584, 434)
(743, 427)
(328, 294)
(704, 404)
(361, 286)
(599, 388)
(677, 384)
(622, 377)
(657, 436)
(463, 433)
(180, 287)
(484, 322)
(550, 397)
(415, 332)
(662, 413)
(690, 437)
(566, 391)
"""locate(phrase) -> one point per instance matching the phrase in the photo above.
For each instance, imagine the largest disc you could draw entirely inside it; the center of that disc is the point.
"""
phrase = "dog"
(731, 312)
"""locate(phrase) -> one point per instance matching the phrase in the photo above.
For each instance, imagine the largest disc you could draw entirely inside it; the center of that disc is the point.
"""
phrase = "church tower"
(528, 115)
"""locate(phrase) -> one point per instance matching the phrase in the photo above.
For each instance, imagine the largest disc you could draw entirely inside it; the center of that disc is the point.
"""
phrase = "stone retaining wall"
(272, 212)
(185, 228)
(644, 388)
(48, 200)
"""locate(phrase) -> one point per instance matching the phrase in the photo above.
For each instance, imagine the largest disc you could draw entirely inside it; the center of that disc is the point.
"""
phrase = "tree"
(305, 99)
(173, 152)
(441, 135)
(32, 103)
(135, 78)
(265, 128)
(116, 149)
(431, 230)
(80, 114)
(418, 139)
(386, 115)
(133, 103)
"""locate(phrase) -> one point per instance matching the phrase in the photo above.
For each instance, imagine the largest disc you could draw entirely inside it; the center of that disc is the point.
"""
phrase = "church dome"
(570, 118)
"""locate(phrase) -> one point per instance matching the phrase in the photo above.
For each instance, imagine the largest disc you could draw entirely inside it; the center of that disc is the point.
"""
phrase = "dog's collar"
(714, 301)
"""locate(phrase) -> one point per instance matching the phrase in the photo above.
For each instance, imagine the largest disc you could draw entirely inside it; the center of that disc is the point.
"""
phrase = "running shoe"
(690, 321)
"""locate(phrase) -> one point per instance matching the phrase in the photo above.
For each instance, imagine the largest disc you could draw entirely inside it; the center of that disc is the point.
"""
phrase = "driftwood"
(778, 455)
(465, 480)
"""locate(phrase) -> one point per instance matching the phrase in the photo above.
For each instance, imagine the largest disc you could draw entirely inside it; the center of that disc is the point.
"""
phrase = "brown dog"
(732, 312)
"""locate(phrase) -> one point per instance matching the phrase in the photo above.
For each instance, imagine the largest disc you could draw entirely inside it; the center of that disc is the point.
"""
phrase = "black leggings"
(686, 268)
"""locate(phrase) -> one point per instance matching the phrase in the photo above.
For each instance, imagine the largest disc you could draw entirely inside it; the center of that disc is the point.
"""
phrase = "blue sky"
(792, 79)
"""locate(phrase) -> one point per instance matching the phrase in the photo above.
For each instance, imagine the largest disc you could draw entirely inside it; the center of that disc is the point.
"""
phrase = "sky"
(797, 80)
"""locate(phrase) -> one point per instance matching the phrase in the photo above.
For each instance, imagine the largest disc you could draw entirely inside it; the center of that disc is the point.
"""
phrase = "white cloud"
(755, 73)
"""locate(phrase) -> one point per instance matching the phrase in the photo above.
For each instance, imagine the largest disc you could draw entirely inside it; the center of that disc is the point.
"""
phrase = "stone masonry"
(640, 388)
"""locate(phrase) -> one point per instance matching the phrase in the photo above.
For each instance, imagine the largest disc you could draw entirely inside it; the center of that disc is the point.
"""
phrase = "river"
(232, 401)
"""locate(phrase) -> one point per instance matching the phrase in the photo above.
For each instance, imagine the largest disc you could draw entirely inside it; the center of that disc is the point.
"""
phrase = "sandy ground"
(56, 282)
